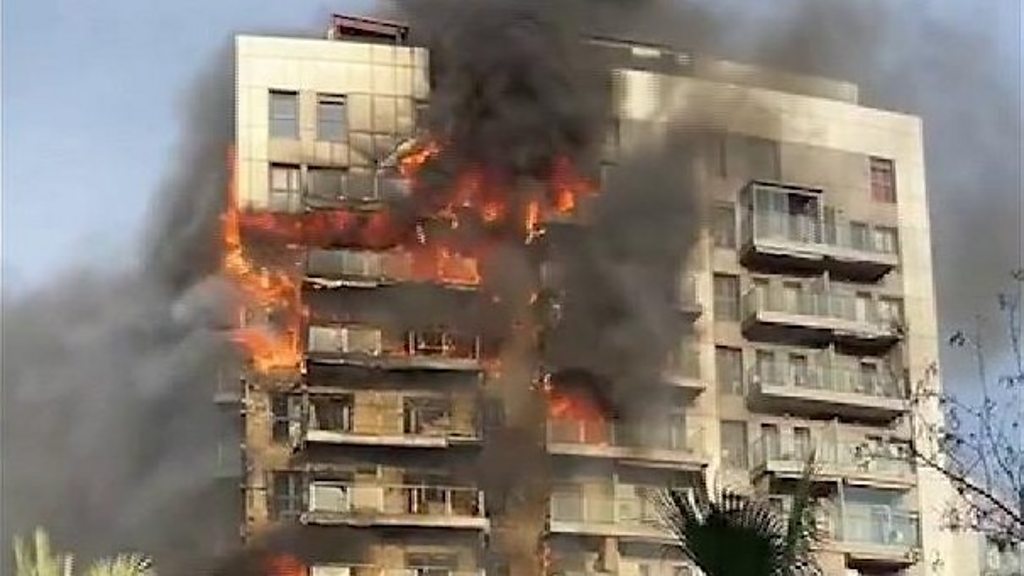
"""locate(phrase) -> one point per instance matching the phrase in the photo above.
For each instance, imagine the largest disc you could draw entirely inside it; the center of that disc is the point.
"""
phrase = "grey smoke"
(109, 429)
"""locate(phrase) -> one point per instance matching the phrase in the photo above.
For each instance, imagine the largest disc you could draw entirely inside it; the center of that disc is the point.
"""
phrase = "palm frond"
(732, 534)
(123, 565)
(38, 558)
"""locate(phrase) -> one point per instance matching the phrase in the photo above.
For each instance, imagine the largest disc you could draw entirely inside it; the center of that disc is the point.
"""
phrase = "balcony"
(372, 269)
(365, 346)
(670, 445)
(683, 371)
(788, 227)
(875, 535)
(394, 505)
(633, 517)
(826, 391)
(425, 422)
(335, 569)
(802, 316)
(844, 460)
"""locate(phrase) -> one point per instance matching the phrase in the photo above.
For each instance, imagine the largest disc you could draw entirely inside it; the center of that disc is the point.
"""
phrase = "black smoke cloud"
(109, 429)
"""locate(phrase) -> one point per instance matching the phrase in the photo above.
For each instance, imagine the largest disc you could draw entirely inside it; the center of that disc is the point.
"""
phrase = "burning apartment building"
(474, 348)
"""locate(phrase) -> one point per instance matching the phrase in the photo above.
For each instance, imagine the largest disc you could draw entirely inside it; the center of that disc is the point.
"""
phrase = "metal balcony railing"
(843, 456)
(816, 304)
(670, 435)
(828, 379)
(371, 570)
(435, 418)
(346, 498)
(634, 512)
(876, 525)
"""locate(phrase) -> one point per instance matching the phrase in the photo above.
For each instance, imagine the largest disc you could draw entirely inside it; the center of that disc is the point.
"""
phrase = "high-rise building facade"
(807, 299)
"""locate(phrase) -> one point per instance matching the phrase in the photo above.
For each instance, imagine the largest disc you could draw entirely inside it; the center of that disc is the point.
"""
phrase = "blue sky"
(92, 97)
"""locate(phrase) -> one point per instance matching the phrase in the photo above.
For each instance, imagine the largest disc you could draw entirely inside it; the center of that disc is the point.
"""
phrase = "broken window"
(332, 413)
(426, 415)
(441, 343)
(883, 181)
(286, 495)
(284, 114)
(286, 412)
(331, 118)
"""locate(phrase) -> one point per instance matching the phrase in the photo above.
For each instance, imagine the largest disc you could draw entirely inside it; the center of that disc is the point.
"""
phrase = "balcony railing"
(345, 498)
(837, 379)
(630, 512)
(371, 570)
(816, 304)
(875, 525)
(669, 435)
(843, 457)
(431, 424)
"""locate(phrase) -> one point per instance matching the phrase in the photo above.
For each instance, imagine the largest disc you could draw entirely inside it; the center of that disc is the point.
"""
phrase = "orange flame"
(262, 289)
(286, 565)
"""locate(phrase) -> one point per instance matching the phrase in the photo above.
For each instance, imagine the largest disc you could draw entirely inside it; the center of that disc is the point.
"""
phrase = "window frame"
(882, 180)
(726, 365)
(719, 229)
(293, 498)
(339, 100)
(734, 296)
(275, 119)
(730, 461)
(292, 196)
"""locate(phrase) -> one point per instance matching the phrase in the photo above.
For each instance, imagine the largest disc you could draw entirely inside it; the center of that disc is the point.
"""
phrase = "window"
(765, 366)
(799, 370)
(285, 195)
(729, 368)
(883, 182)
(734, 444)
(802, 445)
(331, 118)
(284, 115)
(725, 226)
(890, 310)
(887, 240)
(332, 413)
(859, 235)
(286, 495)
(326, 184)
(727, 298)
(772, 441)
(285, 410)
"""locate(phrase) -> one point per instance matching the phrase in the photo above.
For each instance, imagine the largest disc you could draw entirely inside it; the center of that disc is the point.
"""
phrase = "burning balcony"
(370, 269)
(610, 511)
(395, 505)
(795, 312)
(864, 462)
(364, 419)
(864, 391)
(668, 444)
(368, 346)
(790, 226)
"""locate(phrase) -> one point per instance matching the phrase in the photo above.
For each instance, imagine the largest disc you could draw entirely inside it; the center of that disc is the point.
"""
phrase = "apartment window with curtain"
(734, 444)
(729, 370)
(284, 114)
(727, 297)
(724, 229)
(331, 118)
(883, 181)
